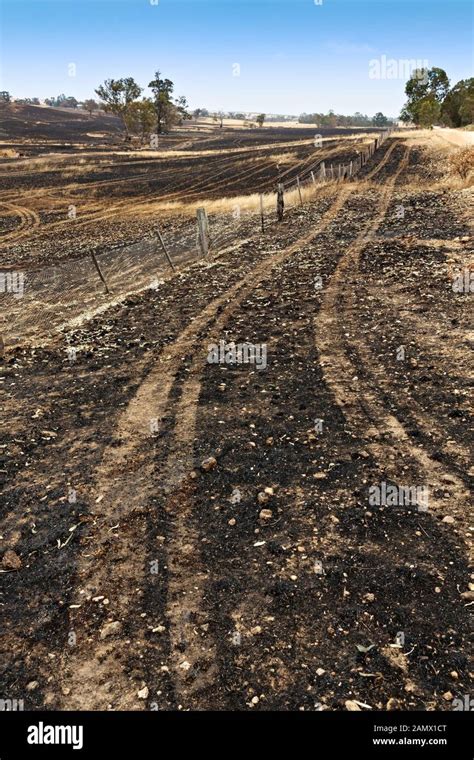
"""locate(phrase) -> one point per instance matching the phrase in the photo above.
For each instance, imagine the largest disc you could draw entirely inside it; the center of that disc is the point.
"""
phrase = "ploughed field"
(179, 533)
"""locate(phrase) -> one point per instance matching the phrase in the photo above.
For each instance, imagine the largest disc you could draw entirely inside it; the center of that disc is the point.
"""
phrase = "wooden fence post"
(299, 190)
(280, 201)
(313, 178)
(99, 272)
(165, 249)
(322, 171)
(203, 230)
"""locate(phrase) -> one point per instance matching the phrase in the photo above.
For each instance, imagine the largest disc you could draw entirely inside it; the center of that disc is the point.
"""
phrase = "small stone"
(11, 560)
(448, 519)
(209, 464)
(269, 440)
(352, 706)
(454, 674)
(320, 672)
(262, 497)
(319, 475)
(468, 596)
(110, 629)
(448, 696)
(265, 514)
(32, 685)
(232, 521)
(255, 700)
(256, 630)
(143, 693)
(369, 598)
(393, 704)
(185, 665)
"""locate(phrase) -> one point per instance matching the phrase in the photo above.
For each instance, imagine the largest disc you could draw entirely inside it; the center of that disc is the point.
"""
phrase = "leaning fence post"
(99, 272)
(164, 249)
(203, 230)
(350, 168)
(261, 213)
(322, 172)
(299, 190)
(280, 201)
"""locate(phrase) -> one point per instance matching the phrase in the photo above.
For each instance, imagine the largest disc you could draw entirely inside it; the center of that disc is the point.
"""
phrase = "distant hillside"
(19, 122)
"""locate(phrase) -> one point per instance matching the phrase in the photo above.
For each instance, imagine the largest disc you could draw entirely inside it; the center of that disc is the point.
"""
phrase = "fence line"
(54, 295)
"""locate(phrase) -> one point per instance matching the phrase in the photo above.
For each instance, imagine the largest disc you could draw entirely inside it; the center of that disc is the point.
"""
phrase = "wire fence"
(38, 303)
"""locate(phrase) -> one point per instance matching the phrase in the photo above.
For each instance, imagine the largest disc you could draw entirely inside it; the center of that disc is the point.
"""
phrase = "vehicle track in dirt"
(121, 478)
(359, 388)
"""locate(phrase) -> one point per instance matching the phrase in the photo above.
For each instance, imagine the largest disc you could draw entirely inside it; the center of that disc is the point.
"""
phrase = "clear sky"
(294, 55)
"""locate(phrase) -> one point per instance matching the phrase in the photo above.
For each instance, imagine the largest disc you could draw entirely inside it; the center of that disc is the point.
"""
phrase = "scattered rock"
(448, 519)
(209, 464)
(352, 706)
(110, 629)
(143, 693)
(11, 560)
(265, 514)
(393, 704)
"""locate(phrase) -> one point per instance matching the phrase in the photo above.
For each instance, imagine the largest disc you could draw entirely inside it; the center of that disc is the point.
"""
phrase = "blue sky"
(294, 55)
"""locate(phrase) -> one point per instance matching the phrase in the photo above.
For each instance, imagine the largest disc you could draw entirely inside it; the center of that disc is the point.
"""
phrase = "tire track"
(356, 386)
(125, 481)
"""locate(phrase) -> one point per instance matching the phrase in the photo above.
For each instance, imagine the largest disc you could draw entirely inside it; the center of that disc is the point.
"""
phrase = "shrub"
(462, 162)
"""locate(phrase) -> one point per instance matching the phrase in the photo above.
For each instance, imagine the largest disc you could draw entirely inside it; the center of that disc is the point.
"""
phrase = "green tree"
(455, 110)
(428, 112)
(380, 120)
(141, 118)
(182, 109)
(424, 83)
(90, 105)
(260, 119)
(162, 91)
(117, 95)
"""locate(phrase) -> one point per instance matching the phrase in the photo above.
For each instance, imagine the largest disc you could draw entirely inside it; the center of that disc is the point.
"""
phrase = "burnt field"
(67, 202)
(180, 532)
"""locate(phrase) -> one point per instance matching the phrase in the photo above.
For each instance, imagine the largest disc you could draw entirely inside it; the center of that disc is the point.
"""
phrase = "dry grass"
(462, 162)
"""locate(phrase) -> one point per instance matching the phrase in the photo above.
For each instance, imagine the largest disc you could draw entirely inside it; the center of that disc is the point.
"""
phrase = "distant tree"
(220, 116)
(69, 102)
(380, 120)
(90, 105)
(197, 113)
(117, 95)
(428, 112)
(141, 118)
(165, 111)
(5, 97)
(260, 119)
(204, 112)
(182, 107)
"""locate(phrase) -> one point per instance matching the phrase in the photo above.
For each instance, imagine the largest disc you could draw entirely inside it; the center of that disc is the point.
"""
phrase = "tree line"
(431, 100)
(332, 119)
